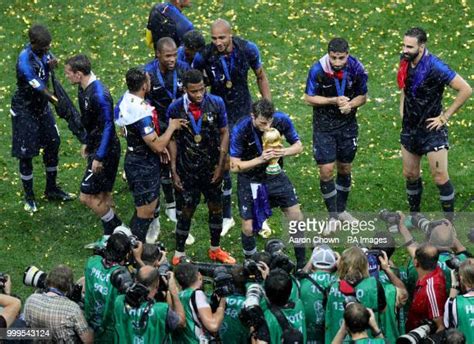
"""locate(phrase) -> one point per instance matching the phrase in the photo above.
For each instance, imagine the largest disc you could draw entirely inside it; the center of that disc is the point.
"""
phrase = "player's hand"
(165, 156)
(178, 123)
(267, 154)
(218, 174)
(279, 152)
(346, 109)
(178, 185)
(436, 123)
(97, 166)
(53, 63)
(402, 217)
(342, 101)
(84, 153)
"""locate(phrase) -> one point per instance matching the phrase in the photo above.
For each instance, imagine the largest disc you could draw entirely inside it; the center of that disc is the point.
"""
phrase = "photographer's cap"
(323, 257)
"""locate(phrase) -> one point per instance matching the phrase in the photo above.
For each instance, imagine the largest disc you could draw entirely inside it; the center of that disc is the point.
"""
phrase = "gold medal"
(197, 138)
(228, 84)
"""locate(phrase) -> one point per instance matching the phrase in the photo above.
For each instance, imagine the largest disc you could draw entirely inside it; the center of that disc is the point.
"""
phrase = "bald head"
(221, 36)
(442, 236)
(148, 276)
(221, 24)
(427, 256)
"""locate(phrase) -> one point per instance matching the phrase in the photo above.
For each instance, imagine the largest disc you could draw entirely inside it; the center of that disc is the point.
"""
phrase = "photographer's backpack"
(290, 335)
(161, 24)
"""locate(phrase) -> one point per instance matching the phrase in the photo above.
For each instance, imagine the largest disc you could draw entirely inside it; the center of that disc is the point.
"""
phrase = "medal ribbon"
(341, 88)
(258, 144)
(162, 82)
(225, 68)
(196, 126)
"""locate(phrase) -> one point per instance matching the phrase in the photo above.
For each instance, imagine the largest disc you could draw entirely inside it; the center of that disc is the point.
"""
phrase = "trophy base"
(273, 169)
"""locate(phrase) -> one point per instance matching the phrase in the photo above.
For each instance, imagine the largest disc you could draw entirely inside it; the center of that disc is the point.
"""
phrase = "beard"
(337, 69)
(410, 57)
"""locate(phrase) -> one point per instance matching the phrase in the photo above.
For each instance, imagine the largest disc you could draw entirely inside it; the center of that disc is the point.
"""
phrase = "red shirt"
(428, 300)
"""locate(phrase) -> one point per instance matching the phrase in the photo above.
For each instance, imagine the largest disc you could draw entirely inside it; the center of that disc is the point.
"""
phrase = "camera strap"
(285, 324)
(199, 323)
(317, 285)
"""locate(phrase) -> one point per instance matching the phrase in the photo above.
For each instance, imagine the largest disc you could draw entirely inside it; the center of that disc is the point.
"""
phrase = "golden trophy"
(271, 140)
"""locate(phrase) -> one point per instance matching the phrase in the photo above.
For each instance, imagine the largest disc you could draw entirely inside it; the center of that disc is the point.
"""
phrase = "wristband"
(376, 334)
(409, 242)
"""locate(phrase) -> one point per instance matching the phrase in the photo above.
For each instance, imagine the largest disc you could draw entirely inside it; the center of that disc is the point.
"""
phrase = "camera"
(348, 300)
(3, 282)
(251, 314)
(121, 279)
(275, 247)
(251, 271)
(418, 334)
(34, 277)
(223, 282)
(454, 263)
(390, 217)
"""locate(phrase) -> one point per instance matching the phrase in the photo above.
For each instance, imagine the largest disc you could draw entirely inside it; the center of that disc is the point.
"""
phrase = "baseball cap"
(323, 257)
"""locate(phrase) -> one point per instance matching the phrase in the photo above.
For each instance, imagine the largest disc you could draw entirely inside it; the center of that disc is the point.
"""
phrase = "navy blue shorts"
(338, 144)
(281, 193)
(193, 188)
(143, 177)
(93, 184)
(421, 142)
(30, 133)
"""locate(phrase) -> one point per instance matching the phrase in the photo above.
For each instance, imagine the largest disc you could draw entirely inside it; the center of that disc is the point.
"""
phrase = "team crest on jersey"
(148, 130)
(210, 117)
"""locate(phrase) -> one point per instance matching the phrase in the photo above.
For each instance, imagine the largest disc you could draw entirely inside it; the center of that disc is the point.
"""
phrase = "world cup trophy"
(271, 140)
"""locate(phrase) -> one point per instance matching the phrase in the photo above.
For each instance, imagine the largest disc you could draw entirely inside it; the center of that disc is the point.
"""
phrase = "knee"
(146, 212)
(410, 174)
(326, 172)
(214, 208)
(247, 228)
(85, 199)
(440, 178)
(344, 169)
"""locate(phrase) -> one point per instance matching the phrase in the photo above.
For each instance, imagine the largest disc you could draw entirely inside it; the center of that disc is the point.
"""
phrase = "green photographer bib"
(232, 331)
(465, 312)
(295, 317)
(187, 335)
(388, 319)
(127, 327)
(313, 300)
(99, 299)
(366, 293)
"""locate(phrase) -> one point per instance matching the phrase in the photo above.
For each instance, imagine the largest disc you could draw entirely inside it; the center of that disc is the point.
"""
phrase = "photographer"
(285, 319)
(459, 309)
(357, 320)
(139, 318)
(392, 321)
(100, 294)
(430, 291)
(314, 287)
(440, 234)
(232, 331)
(354, 282)
(202, 324)
(9, 306)
(54, 311)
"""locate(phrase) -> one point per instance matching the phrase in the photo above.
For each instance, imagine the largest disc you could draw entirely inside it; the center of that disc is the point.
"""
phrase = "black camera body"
(454, 263)
(223, 283)
(251, 271)
(390, 217)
